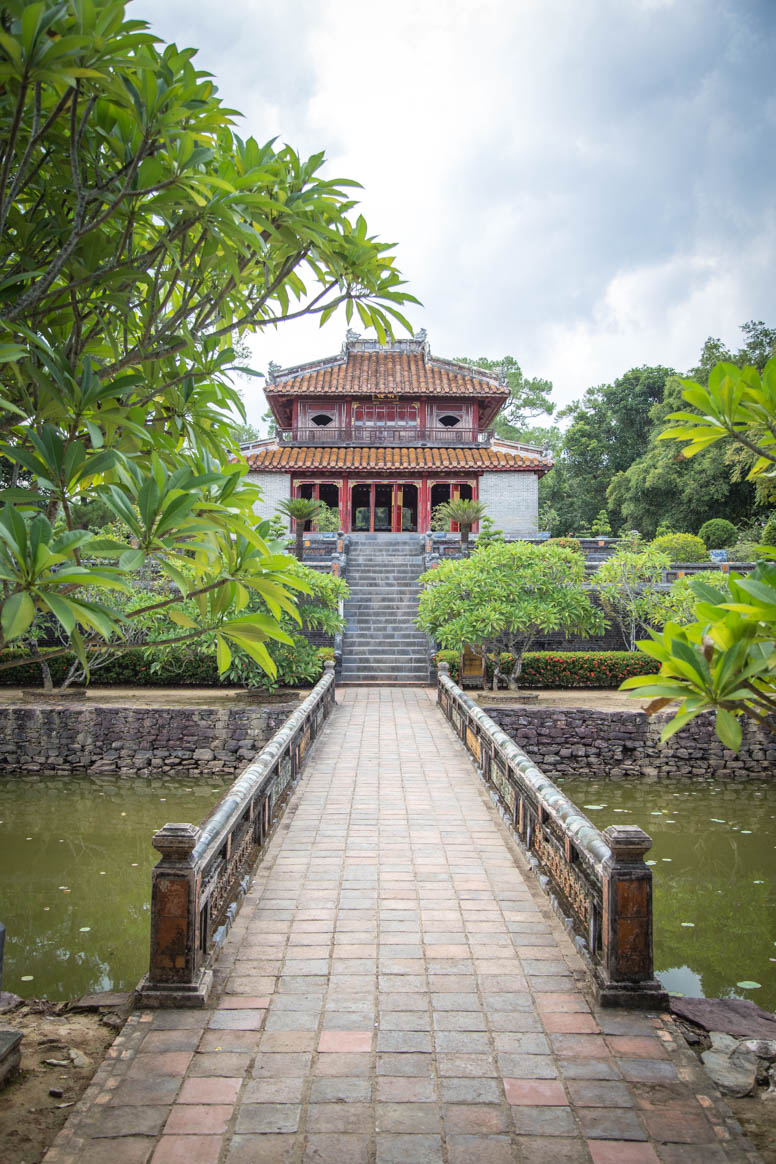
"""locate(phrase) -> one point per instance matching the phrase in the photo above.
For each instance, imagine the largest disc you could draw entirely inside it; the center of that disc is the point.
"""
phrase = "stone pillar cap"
(176, 840)
(628, 843)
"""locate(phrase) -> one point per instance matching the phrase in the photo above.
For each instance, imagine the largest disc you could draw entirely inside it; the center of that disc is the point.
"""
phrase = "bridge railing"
(204, 871)
(598, 881)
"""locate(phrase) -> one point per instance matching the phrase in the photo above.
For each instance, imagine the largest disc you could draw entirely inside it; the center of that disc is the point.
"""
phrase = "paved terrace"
(395, 989)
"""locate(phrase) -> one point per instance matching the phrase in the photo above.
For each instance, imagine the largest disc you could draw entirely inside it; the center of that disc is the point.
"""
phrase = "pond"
(75, 877)
(713, 862)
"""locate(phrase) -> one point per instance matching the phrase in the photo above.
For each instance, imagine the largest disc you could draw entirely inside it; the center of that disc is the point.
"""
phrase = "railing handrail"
(383, 434)
(216, 826)
(585, 834)
(203, 871)
(599, 881)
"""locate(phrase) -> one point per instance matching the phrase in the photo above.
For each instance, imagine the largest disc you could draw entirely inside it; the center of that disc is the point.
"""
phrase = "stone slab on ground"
(382, 1000)
(10, 1053)
(103, 1000)
(739, 1017)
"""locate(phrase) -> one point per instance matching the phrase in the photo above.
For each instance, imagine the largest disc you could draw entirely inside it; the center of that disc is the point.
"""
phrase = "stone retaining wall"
(625, 745)
(127, 742)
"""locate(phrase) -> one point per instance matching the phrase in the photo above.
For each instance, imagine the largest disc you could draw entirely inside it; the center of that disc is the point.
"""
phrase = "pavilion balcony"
(364, 434)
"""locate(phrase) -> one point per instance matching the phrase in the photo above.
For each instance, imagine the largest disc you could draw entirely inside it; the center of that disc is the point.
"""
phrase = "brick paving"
(396, 990)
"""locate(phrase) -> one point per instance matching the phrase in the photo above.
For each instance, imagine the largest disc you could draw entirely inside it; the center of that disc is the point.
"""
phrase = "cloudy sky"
(587, 186)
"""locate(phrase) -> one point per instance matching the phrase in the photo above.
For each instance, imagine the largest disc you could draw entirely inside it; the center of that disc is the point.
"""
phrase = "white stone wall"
(512, 501)
(274, 487)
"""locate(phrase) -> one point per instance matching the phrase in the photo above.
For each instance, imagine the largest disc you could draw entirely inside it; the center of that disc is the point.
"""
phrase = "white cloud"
(585, 186)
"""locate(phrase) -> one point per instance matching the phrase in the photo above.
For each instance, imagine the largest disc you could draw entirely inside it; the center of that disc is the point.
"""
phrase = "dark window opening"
(360, 507)
(449, 421)
(322, 419)
(409, 508)
(383, 508)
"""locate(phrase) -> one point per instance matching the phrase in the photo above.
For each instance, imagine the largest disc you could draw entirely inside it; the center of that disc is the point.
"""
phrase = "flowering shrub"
(565, 668)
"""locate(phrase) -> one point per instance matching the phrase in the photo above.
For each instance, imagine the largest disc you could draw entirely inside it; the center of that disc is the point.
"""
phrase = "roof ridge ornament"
(272, 371)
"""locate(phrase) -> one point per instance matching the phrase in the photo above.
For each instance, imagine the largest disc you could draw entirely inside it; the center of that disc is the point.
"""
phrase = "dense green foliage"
(503, 597)
(725, 659)
(528, 399)
(140, 236)
(193, 667)
(548, 669)
(718, 533)
(627, 585)
(463, 513)
(681, 547)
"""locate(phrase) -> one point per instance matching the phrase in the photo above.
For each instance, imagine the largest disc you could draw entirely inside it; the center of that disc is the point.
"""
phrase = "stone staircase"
(381, 643)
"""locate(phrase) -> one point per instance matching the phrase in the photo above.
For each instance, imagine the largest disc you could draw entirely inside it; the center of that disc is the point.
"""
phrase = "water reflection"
(713, 867)
(75, 861)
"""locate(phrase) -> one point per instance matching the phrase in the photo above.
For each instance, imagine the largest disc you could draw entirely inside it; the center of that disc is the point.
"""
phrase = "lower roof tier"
(272, 458)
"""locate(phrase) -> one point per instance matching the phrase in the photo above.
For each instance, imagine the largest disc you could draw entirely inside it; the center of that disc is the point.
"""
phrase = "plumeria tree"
(627, 585)
(503, 597)
(724, 660)
(139, 234)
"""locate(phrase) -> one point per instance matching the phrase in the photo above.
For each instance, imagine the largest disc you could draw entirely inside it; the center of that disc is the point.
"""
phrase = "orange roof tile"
(414, 460)
(386, 372)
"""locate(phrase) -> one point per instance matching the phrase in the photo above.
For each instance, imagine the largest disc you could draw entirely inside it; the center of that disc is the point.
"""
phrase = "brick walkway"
(395, 990)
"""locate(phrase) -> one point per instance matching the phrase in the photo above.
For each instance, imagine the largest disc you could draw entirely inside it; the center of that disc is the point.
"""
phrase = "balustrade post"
(175, 975)
(626, 976)
(442, 669)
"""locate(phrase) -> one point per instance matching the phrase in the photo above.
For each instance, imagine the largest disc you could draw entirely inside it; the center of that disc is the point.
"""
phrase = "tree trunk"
(48, 683)
(516, 671)
(465, 539)
(299, 526)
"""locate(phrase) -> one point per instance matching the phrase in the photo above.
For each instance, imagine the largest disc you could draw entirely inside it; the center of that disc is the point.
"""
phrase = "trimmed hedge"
(128, 669)
(569, 668)
(136, 669)
(583, 668)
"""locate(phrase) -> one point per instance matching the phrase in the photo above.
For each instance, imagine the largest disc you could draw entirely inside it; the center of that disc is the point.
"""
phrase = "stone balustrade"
(203, 872)
(597, 881)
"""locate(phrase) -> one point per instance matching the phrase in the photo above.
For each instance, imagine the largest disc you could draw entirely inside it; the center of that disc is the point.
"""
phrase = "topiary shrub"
(682, 547)
(601, 527)
(718, 533)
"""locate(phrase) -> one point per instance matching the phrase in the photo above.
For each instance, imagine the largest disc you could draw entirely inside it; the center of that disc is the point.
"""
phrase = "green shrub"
(682, 547)
(298, 666)
(583, 668)
(137, 668)
(718, 533)
(601, 527)
(769, 531)
(743, 552)
(565, 668)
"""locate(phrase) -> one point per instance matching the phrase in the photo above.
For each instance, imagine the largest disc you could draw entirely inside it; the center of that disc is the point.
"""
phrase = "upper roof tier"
(401, 367)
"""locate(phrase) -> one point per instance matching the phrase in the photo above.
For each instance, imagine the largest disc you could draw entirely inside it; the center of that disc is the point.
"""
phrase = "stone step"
(382, 667)
(379, 640)
(366, 655)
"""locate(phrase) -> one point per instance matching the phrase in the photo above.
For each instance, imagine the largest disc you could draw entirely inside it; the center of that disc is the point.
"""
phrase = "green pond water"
(714, 868)
(76, 859)
(75, 878)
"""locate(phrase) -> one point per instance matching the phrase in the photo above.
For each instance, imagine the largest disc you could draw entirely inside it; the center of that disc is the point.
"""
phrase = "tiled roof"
(413, 460)
(386, 372)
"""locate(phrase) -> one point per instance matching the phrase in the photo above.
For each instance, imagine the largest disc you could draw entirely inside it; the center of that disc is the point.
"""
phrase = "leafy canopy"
(140, 234)
(503, 597)
(725, 660)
